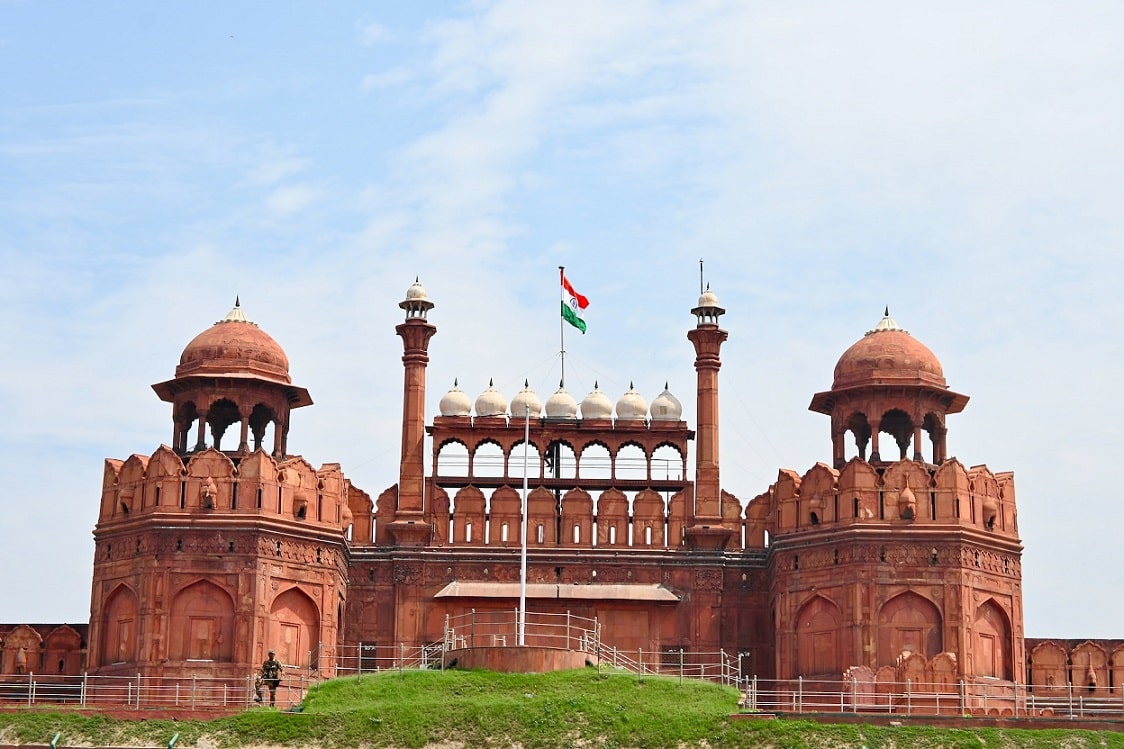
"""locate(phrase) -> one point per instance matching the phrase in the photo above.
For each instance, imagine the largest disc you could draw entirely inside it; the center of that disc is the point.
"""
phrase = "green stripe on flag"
(572, 317)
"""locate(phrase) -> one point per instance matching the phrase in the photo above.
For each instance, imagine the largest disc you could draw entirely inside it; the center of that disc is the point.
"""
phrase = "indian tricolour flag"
(573, 305)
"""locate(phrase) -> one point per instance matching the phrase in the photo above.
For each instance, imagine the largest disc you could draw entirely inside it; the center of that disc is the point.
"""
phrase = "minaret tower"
(408, 527)
(706, 530)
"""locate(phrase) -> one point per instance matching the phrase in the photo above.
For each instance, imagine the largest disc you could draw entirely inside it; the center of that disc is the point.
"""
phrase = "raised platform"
(520, 660)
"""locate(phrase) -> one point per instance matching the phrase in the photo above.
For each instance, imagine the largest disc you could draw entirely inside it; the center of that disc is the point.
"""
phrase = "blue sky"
(961, 164)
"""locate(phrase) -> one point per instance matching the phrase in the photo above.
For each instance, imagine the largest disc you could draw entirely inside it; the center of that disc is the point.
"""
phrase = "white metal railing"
(146, 692)
(965, 697)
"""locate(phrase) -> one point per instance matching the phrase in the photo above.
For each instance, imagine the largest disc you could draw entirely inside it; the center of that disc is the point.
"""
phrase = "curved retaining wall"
(521, 660)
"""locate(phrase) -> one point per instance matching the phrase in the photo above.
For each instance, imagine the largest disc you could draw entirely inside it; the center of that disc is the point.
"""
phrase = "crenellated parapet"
(902, 494)
(215, 487)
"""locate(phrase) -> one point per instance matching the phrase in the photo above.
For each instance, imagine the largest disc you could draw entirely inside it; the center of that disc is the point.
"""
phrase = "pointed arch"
(452, 458)
(648, 519)
(119, 624)
(631, 462)
(1049, 665)
(899, 425)
(294, 628)
(221, 414)
(202, 624)
(993, 647)
(488, 459)
(612, 519)
(910, 623)
(63, 650)
(819, 625)
(817, 495)
(469, 514)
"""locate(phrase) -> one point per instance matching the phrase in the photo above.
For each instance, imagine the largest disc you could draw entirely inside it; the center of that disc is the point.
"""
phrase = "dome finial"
(886, 323)
(236, 314)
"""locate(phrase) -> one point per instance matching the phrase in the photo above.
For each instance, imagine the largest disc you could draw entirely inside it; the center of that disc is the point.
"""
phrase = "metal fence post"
(963, 699)
(30, 688)
(799, 694)
(82, 693)
(1069, 687)
(192, 691)
(472, 629)
(908, 697)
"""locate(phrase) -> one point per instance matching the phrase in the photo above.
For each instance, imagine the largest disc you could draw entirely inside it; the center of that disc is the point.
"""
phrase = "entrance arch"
(819, 624)
(119, 627)
(992, 633)
(908, 622)
(294, 629)
(202, 626)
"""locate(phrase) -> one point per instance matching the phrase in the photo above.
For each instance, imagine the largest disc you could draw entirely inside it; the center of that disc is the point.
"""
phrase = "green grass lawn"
(484, 709)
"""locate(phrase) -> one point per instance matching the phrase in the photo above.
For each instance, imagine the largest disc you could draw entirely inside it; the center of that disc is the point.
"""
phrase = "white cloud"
(387, 79)
(290, 199)
(373, 34)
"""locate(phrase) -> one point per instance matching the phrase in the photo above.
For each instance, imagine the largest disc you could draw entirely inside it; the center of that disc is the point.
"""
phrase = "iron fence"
(145, 692)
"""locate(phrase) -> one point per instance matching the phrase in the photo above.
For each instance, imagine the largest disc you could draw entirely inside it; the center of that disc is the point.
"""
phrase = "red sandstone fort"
(890, 560)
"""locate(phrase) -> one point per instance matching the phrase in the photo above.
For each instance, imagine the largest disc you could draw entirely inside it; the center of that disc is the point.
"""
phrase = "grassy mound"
(533, 711)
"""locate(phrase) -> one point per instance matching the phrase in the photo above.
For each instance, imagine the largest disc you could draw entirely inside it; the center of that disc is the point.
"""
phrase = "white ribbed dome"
(708, 298)
(561, 405)
(491, 402)
(416, 291)
(526, 397)
(666, 407)
(455, 402)
(597, 405)
(632, 405)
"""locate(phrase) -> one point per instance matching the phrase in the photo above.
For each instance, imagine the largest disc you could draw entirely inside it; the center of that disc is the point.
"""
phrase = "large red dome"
(234, 346)
(888, 355)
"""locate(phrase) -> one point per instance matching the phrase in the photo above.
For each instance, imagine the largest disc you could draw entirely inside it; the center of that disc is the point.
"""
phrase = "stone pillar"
(201, 440)
(704, 521)
(243, 441)
(917, 444)
(408, 527)
(838, 448)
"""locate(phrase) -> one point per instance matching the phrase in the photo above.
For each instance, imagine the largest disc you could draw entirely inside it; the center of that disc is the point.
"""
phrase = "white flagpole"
(562, 323)
(523, 533)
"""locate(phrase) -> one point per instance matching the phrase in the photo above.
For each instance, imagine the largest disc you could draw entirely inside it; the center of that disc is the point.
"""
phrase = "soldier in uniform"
(270, 676)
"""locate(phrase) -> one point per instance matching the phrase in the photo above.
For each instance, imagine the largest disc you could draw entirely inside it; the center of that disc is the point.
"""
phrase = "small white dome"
(561, 405)
(708, 298)
(632, 406)
(491, 402)
(666, 407)
(416, 291)
(455, 402)
(597, 405)
(526, 397)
